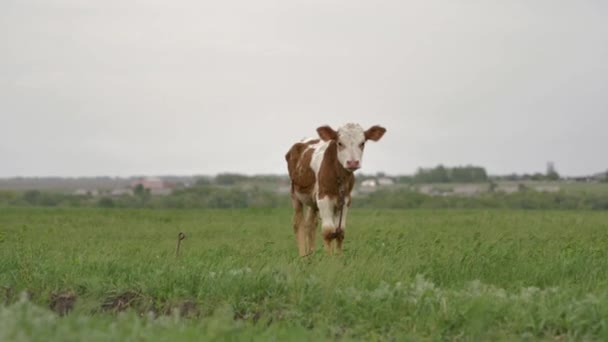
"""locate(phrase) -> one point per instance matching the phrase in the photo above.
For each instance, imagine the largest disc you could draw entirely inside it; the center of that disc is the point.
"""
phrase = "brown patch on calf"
(335, 235)
(339, 240)
(329, 236)
(327, 239)
(331, 170)
(303, 180)
(298, 164)
(327, 133)
(374, 133)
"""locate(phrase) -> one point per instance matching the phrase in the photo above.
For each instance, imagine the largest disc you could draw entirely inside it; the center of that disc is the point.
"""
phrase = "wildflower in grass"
(239, 271)
(528, 293)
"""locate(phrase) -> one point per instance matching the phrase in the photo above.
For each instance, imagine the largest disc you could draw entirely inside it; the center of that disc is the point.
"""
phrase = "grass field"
(405, 275)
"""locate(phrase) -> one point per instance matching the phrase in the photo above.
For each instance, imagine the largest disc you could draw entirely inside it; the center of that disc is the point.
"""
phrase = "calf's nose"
(352, 164)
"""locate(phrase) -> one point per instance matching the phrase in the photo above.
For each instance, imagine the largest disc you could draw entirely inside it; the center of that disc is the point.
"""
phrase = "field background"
(405, 274)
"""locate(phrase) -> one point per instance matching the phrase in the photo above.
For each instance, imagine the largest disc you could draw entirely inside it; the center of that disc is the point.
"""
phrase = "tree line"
(217, 197)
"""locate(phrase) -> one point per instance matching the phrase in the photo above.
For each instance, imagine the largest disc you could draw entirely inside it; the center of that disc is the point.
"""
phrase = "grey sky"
(122, 87)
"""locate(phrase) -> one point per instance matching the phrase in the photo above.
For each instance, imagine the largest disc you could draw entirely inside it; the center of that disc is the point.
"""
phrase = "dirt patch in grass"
(185, 308)
(62, 303)
(8, 294)
(245, 316)
(121, 301)
(188, 309)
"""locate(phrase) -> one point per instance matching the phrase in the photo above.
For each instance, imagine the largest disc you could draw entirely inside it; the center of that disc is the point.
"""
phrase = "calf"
(321, 172)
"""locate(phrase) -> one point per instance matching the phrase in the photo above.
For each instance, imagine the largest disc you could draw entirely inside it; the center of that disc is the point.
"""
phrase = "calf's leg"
(326, 211)
(342, 225)
(297, 225)
(311, 228)
(339, 240)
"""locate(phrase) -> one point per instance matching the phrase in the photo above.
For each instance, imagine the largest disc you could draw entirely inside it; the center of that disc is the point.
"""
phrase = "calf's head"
(350, 140)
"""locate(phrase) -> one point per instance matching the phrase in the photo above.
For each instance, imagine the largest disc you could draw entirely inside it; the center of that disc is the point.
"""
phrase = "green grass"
(421, 275)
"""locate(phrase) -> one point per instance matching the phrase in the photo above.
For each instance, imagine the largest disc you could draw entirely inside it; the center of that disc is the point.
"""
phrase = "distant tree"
(605, 178)
(552, 174)
(512, 177)
(140, 191)
(7, 197)
(229, 178)
(440, 174)
(106, 202)
(479, 174)
(32, 197)
(142, 194)
(405, 179)
(461, 174)
(538, 177)
(202, 181)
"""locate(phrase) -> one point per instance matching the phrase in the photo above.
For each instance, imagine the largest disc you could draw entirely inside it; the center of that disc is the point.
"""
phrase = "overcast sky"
(123, 87)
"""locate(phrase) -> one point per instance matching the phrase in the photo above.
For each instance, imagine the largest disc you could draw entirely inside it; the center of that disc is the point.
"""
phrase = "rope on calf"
(341, 203)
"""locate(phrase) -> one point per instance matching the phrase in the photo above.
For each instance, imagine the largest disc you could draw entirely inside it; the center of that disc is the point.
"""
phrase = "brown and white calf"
(321, 170)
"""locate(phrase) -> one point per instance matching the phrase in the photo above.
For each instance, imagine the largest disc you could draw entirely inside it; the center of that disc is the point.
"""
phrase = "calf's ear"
(375, 133)
(327, 133)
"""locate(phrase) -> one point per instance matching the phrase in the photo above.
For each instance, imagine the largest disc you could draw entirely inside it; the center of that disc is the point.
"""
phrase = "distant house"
(467, 190)
(155, 185)
(373, 182)
(581, 179)
(431, 190)
(86, 192)
(509, 189)
(385, 181)
(369, 183)
(547, 188)
(121, 192)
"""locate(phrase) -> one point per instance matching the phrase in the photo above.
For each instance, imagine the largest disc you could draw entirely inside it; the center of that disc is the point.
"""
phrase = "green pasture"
(94, 274)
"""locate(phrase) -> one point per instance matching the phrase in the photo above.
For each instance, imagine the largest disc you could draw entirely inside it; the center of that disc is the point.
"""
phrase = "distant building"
(86, 192)
(431, 190)
(121, 192)
(467, 190)
(369, 183)
(547, 188)
(155, 185)
(385, 181)
(509, 189)
(373, 184)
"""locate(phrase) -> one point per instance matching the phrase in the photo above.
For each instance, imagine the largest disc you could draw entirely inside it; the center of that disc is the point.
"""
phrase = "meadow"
(113, 274)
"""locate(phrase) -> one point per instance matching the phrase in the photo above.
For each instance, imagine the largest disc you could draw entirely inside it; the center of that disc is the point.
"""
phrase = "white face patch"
(351, 141)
